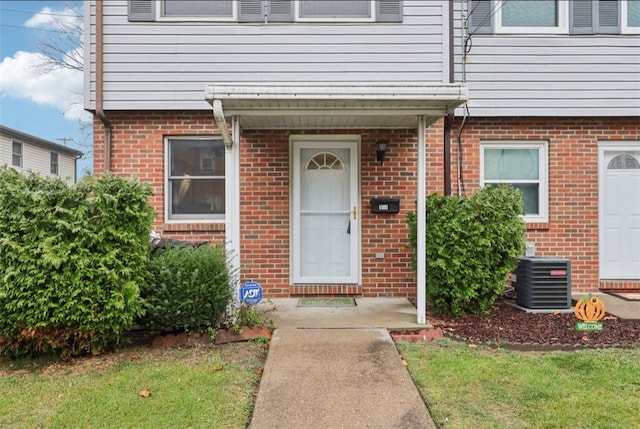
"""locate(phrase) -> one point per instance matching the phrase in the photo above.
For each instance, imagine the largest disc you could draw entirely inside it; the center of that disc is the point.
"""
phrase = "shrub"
(71, 259)
(472, 245)
(188, 289)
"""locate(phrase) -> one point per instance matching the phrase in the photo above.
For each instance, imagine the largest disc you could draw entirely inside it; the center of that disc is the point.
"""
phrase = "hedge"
(472, 243)
(72, 258)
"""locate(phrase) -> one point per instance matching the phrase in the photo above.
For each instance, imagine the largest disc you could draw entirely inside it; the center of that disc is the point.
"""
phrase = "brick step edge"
(184, 339)
(422, 335)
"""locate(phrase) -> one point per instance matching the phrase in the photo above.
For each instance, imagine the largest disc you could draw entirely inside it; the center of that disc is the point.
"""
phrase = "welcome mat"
(627, 296)
(326, 302)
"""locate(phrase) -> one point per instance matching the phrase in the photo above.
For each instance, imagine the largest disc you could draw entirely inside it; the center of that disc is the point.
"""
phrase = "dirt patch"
(509, 325)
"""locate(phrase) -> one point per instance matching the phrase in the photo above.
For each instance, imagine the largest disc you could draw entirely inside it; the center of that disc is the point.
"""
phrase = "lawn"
(476, 387)
(135, 388)
(463, 386)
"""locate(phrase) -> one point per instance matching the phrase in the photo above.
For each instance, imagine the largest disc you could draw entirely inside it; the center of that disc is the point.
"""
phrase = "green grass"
(476, 387)
(196, 388)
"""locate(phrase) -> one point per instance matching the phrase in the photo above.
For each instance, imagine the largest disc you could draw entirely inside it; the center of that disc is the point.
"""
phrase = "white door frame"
(602, 148)
(298, 142)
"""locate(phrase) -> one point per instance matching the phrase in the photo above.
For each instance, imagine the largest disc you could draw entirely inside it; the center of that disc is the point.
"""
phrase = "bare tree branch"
(65, 48)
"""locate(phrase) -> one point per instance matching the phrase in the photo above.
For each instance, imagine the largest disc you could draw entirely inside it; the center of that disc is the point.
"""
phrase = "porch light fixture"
(381, 150)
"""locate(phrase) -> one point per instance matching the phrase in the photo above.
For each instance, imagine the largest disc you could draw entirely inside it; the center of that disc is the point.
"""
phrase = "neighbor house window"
(522, 165)
(16, 153)
(53, 162)
(196, 179)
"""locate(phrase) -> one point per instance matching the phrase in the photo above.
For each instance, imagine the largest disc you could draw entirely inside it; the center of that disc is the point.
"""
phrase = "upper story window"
(335, 9)
(16, 153)
(197, 8)
(522, 165)
(553, 16)
(195, 180)
(53, 162)
(543, 14)
(266, 11)
(631, 9)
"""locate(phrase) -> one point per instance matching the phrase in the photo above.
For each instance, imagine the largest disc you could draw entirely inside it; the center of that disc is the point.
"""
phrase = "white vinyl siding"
(165, 65)
(548, 74)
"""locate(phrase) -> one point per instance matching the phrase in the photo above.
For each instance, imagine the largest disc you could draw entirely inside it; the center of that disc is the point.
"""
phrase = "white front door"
(325, 211)
(619, 211)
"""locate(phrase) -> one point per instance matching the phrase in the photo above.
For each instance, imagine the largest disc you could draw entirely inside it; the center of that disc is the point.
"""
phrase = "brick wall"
(138, 151)
(572, 230)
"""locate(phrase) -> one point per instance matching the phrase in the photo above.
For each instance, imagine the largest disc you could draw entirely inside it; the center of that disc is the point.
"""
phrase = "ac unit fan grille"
(543, 283)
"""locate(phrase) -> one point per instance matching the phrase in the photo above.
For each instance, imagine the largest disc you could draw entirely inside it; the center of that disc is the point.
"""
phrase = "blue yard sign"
(251, 293)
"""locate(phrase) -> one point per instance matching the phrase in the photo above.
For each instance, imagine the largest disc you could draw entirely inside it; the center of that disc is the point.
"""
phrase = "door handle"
(355, 212)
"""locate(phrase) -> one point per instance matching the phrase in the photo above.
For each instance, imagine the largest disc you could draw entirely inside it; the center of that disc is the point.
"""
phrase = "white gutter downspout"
(218, 116)
(421, 298)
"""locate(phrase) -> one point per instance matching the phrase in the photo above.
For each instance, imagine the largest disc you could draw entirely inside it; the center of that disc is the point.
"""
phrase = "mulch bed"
(511, 327)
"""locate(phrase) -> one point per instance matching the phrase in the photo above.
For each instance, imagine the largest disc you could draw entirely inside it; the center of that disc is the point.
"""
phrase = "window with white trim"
(335, 9)
(191, 8)
(522, 165)
(265, 11)
(531, 16)
(195, 184)
(17, 153)
(553, 16)
(53, 163)
(631, 10)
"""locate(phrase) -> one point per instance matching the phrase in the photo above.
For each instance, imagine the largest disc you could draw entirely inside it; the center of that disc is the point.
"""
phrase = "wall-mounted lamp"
(381, 150)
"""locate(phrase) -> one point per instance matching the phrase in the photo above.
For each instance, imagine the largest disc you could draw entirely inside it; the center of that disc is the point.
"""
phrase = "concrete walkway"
(622, 308)
(337, 367)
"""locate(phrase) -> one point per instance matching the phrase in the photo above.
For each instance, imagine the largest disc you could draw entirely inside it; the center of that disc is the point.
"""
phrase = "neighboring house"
(554, 90)
(25, 152)
(261, 122)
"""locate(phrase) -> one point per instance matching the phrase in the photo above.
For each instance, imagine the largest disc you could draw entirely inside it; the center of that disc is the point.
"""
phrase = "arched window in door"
(325, 161)
(624, 161)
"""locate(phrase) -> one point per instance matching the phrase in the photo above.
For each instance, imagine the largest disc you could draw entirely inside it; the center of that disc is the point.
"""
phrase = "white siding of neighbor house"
(550, 75)
(37, 159)
(165, 65)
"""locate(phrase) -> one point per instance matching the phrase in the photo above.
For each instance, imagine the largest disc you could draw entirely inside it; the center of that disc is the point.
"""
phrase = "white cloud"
(51, 19)
(22, 76)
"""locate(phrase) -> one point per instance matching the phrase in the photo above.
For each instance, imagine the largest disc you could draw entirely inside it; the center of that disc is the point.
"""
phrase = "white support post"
(232, 203)
(421, 297)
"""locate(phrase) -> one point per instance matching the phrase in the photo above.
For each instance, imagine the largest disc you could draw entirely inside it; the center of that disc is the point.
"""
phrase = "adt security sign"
(251, 293)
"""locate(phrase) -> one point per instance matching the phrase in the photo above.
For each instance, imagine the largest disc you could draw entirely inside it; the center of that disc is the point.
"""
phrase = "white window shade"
(530, 13)
(522, 167)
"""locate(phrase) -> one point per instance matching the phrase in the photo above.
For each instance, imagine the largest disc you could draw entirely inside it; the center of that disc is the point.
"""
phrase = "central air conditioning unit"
(543, 283)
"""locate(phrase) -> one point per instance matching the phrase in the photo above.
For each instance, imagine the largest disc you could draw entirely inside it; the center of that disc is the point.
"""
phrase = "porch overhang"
(342, 106)
(331, 106)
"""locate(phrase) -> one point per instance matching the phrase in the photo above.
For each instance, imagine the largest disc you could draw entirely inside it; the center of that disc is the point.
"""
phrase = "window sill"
(195, 226)
(537, 226)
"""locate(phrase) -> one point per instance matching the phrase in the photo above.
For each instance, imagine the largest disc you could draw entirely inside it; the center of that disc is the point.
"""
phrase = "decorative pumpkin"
(589, 309)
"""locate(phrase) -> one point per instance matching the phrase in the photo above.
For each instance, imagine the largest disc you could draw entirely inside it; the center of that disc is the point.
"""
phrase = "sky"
(44, 103)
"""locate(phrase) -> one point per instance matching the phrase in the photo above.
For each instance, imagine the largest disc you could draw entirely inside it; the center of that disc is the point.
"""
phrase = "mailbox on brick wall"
(385, 205)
